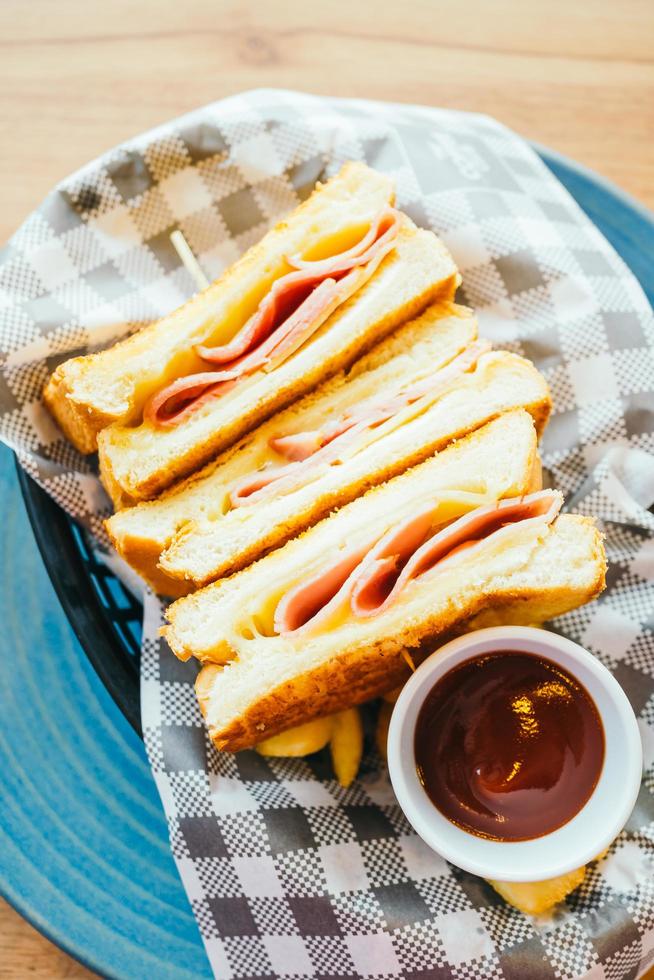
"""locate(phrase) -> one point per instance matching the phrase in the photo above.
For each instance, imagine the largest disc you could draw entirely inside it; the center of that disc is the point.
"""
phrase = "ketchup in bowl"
(509, 746)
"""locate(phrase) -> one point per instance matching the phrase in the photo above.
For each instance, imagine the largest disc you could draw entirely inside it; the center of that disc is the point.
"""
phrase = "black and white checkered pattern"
(289, 875)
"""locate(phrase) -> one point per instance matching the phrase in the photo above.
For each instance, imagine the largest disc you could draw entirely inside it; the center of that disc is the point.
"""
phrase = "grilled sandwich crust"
(496, 460)
(142, 533)
(138, 462)
(79, 423)
(86, 394)
(177, 559)
(190, 547)
(352, 676)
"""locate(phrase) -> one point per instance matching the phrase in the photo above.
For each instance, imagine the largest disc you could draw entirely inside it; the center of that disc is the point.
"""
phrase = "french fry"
(381, 732)
(536, 897)
(346, 745)
(301, 740)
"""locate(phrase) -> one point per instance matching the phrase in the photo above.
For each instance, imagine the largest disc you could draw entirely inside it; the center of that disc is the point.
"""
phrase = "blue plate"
(83, 842)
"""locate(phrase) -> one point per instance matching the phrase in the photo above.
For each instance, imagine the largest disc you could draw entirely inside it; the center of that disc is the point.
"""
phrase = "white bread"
(496, 460)
(274, 683)
(138, 462)
(85, 394)
(186, 538)
(271, 682)
(141, 533)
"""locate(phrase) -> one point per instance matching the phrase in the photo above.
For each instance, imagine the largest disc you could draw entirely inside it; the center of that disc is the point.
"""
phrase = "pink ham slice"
(295, 307)
(285, 296)
(307, 451)
(276, 480)
(293, 289)
(381, 232)
(299, 445)
(405, 552)
(378, 583)
(321, 595)
(176, 401)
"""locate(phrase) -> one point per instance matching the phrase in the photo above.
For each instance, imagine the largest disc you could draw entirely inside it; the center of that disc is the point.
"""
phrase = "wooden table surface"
(77, 77)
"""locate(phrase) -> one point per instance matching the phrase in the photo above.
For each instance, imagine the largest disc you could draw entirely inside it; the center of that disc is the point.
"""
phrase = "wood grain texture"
(77, 77)
(25, 953)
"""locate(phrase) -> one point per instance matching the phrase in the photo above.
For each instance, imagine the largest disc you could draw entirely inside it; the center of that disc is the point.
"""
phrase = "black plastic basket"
(104, 615)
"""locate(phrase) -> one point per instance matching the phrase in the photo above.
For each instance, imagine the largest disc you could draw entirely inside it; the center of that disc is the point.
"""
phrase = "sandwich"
(324, 623)
(196, 415)
(86, 394)
(427, 384)
(342, 271)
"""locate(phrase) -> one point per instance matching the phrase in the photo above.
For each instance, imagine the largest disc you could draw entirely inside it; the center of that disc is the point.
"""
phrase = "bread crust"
(124, 495)
(119, 447)
(82, 416)
(79, 424)
(142, 554)
(278, 535)
(173, 572)
(128, 529)
(353, 676)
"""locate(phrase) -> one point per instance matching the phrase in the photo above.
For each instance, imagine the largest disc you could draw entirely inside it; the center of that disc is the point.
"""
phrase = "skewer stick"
(188, 259)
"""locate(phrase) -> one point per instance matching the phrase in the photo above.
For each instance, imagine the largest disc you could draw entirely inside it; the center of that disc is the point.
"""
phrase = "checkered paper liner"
(290, 875)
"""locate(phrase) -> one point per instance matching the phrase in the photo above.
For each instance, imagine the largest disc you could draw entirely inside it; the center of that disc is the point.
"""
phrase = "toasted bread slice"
(496, 460)
(195, 506)
(270, 682)
(137, 462)
(190, 536)
(274, 683)
(85, 394)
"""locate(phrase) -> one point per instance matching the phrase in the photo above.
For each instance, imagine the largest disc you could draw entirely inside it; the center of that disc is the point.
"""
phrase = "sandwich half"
(85, 394)
(326, 621)
(195, 415)
(429, 383)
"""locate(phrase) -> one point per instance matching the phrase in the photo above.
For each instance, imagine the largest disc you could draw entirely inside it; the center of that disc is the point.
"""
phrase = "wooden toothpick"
(188, 259)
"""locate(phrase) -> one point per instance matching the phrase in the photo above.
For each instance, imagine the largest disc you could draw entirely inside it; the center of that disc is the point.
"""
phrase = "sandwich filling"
(370, 577)
(297, 304)
(308, 451)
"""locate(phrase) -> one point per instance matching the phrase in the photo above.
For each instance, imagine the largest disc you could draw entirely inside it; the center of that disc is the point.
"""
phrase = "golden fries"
(346, 745)
(381, 731)
(536, 897)
(343, 731)
(301, 740)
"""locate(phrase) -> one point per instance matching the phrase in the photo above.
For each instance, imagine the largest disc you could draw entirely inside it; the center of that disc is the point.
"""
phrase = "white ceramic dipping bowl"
(590, 831)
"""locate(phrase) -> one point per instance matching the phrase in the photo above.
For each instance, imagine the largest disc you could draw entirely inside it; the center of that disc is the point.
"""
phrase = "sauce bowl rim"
(584, 836)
